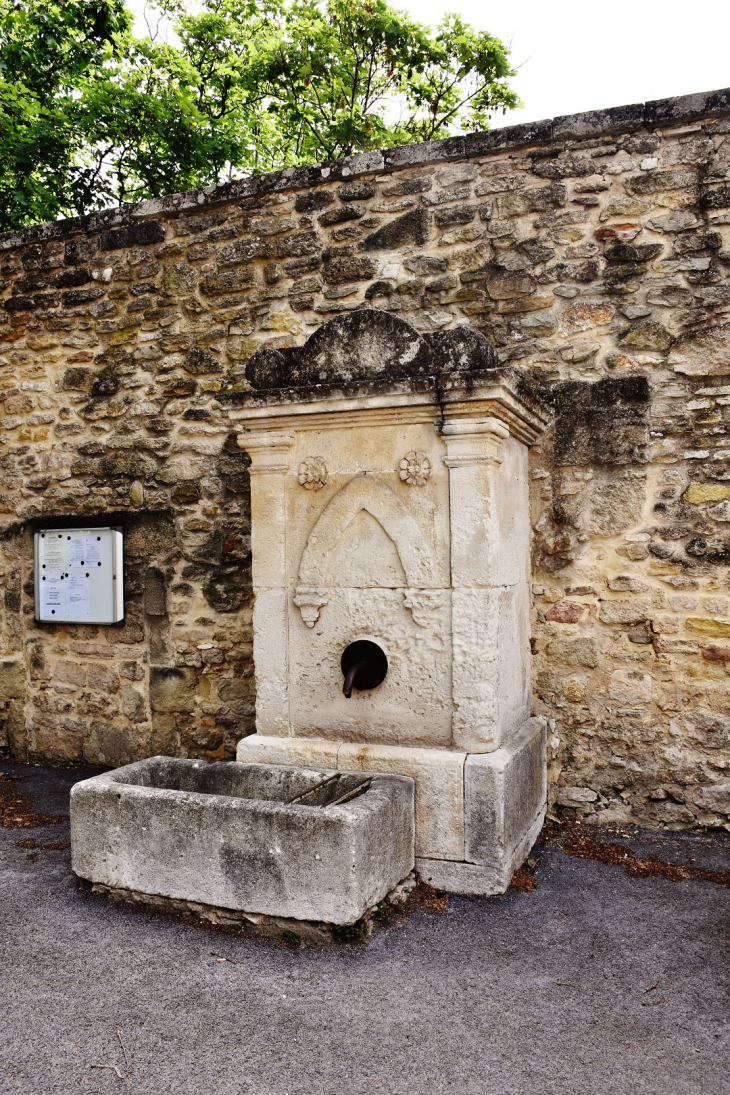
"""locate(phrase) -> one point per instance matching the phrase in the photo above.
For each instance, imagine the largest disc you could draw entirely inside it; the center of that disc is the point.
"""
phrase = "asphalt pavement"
(594, 982)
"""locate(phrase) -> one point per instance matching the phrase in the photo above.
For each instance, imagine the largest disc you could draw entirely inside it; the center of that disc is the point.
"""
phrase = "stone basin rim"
(362, 784)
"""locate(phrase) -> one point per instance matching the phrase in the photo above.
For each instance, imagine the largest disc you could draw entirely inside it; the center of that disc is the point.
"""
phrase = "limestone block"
(133, 704)
(104, 679)
(575, 797)
(172, 688)
(504, 793)
(263, 749)
(438, 775)
(476, 668)
(510, 548)
(706, 353)
(269, 464)
(225, 835)
(70, 672)
(413, 704)
(15, 729)
(155, 593)
(514, 660)
(478, 879)
(12, 678)
(407, 525)
(110, 744)
(582, 651)
(474, 465)
(439, 779)
(270, 661)
(715, 797)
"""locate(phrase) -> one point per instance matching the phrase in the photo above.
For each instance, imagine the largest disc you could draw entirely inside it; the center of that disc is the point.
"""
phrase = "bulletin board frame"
(79, 575)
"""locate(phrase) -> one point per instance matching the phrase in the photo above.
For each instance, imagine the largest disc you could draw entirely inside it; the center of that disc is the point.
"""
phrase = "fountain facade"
(391, 541)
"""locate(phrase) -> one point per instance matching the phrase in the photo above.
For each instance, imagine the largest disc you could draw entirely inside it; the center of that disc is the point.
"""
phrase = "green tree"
(48, 48)
(92, 116)
(346, 76)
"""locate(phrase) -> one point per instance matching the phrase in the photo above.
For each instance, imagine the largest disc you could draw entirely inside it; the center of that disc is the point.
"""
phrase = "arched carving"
(363, 492)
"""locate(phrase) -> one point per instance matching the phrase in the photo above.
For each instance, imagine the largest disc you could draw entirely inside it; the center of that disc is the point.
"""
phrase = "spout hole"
(364, 665)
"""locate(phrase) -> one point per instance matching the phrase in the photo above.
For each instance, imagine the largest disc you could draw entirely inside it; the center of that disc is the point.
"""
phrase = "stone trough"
(267, 839)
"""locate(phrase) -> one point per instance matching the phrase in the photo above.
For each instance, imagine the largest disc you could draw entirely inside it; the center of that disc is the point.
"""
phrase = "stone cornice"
(588, 126)
(494, 395)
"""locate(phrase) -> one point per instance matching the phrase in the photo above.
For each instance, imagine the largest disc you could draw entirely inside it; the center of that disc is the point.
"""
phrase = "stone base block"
(265, 749)
(438, 774)
(227, 835)
(477, 814)
(479, 878)
(504, 792)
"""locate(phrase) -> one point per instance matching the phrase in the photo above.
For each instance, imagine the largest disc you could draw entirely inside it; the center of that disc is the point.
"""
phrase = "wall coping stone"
(586, 126)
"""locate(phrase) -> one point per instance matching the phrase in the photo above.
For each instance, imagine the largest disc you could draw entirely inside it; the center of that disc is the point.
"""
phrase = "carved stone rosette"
(415, 468)
(312, 473)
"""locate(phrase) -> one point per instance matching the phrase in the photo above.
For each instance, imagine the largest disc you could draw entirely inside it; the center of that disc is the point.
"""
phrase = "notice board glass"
(79, 575)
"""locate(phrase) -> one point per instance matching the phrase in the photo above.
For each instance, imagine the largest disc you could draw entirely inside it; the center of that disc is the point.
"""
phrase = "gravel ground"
(595, 982)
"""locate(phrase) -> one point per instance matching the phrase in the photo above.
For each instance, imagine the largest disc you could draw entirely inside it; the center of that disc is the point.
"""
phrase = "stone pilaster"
(269, 452)
(473, 447)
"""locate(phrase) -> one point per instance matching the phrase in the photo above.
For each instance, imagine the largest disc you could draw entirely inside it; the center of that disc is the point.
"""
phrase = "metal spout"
(351, 675)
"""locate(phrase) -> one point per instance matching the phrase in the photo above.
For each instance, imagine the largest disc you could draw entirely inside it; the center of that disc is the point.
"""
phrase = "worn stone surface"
(111, 408)
(225, 835)
(504, 798)
(477, 816)
(418, 541)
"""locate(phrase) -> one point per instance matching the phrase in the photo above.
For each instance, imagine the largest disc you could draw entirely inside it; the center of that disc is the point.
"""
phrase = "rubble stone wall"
(593, 251)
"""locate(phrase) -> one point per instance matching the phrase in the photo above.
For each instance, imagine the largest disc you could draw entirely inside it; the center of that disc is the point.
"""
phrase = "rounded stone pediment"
(367, 346)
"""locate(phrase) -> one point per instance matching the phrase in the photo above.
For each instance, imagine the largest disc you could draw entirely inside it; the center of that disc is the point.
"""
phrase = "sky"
(574, 55)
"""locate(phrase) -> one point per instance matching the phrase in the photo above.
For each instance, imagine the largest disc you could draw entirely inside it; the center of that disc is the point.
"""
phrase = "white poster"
(84, 551)
(53, 595)
(77, 596)
(77, 551)
(92, 557)
(53, 554)
(83, 572)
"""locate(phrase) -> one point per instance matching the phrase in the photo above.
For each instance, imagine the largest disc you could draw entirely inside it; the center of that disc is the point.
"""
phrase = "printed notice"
(53, 595)
(53, 553)
(93, 551)
(77, 596)
(84, 551)
(77, 551)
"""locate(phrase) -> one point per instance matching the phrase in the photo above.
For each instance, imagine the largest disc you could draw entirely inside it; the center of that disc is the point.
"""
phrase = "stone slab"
(270, 749)
(504, 809)
(475, 878)
(224, 835)
(439, 778)
(504, 791)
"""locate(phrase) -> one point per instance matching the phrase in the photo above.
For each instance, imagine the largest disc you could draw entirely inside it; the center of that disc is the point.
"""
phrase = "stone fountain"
(391, 561)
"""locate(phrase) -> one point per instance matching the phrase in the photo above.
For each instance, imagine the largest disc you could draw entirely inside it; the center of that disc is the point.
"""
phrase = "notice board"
(79, 575)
